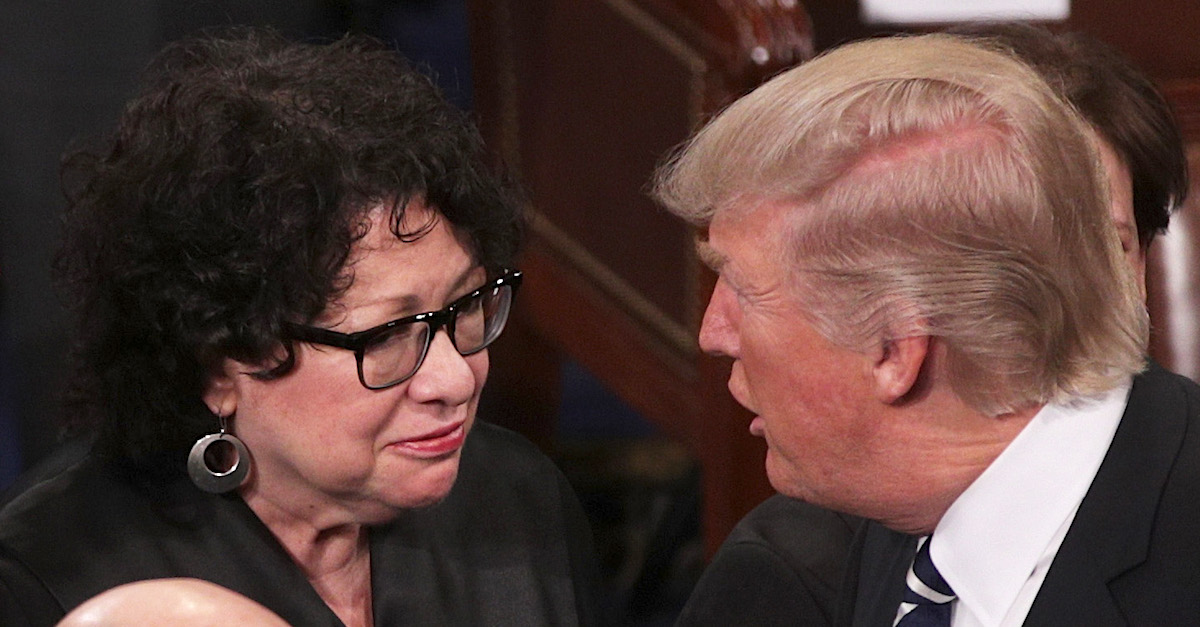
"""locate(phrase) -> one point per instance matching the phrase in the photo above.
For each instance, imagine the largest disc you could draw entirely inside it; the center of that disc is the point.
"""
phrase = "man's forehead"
(740, 238)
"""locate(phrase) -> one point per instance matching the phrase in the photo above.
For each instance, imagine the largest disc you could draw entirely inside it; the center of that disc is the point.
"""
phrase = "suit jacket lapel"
(1111, 532)
(886, 556)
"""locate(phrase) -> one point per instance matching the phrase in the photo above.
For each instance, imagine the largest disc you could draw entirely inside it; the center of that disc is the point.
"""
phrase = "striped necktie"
(927, 599)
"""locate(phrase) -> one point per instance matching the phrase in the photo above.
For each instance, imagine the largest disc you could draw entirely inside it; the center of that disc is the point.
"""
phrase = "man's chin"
(785, 482)
(777, 477)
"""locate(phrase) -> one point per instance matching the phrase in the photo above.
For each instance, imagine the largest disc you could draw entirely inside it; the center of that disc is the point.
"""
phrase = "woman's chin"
(428, 488)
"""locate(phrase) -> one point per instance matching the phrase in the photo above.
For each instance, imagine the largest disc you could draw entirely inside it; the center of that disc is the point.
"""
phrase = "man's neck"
(956, 447)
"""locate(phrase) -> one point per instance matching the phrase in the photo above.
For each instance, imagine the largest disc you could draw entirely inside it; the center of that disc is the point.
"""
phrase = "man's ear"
(220, 392)
(897, 365)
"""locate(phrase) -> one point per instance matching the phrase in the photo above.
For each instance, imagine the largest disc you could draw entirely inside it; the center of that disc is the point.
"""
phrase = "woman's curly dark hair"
(226, 202)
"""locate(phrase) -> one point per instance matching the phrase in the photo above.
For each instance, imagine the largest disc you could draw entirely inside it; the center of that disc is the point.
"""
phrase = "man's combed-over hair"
(226, 203)
(939, 188)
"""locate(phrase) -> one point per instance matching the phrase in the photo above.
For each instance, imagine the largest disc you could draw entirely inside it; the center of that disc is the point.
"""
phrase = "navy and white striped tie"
(927, 599)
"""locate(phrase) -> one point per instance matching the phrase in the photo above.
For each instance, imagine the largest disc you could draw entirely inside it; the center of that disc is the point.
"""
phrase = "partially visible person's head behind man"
(1139, 142)
(913, 244)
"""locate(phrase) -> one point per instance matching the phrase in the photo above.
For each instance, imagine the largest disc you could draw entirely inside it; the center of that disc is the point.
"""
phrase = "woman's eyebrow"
(461, 283)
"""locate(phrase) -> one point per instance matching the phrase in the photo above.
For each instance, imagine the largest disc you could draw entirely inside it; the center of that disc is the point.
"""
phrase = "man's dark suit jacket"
(781, 565)
(1132, 554)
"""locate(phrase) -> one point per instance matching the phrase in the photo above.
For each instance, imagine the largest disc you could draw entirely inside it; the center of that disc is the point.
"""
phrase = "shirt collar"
(991, 538)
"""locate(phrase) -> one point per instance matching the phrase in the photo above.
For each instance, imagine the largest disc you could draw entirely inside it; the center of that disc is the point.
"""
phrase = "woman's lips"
(435, 443)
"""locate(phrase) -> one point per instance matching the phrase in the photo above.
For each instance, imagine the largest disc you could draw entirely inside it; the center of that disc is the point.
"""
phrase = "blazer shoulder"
(782, 564)
(1132, 551)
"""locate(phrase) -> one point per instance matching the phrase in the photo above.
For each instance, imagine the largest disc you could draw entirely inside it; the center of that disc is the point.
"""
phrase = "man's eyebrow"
(709, 256)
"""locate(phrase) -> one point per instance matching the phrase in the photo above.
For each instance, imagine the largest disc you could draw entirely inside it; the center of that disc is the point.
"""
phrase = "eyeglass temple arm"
(323, 336)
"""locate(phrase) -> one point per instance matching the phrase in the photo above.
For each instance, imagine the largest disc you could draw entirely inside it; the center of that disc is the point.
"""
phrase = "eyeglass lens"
(397, 354)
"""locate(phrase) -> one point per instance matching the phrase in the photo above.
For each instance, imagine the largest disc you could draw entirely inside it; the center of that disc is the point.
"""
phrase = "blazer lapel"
(886, 556)
(1111, 532)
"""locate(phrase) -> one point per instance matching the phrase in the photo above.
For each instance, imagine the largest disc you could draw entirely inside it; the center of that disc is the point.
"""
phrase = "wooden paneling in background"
(582, 99)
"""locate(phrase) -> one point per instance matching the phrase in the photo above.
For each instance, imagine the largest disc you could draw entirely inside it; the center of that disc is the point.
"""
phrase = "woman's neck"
(339, 568)
(336, 560)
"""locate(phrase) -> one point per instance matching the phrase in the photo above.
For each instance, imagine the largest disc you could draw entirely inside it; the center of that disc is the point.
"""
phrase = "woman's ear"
(220, 392)
(897, 365)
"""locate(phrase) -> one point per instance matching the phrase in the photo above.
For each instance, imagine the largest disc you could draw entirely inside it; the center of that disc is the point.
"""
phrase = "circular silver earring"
(227, 453)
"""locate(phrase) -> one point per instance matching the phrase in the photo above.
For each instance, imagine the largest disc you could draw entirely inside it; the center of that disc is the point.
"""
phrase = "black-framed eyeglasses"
(392, 352)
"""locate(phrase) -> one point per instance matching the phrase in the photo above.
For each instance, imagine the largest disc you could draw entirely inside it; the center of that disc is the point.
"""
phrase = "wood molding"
(580, 100)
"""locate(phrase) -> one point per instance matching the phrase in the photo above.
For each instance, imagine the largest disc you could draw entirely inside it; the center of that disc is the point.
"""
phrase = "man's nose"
(718, 335)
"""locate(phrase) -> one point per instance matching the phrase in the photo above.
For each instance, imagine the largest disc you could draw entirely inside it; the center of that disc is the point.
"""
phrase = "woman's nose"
(444, 376)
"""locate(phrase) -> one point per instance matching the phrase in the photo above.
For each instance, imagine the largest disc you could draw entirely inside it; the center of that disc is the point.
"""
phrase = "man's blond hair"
(938, 188)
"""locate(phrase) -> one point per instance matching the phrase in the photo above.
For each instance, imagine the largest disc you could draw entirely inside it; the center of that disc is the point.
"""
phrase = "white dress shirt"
(996, 542)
